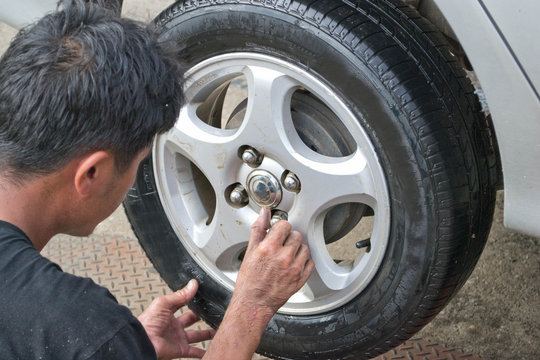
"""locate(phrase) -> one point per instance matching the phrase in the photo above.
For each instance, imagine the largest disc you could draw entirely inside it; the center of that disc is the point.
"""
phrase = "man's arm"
(276, 265)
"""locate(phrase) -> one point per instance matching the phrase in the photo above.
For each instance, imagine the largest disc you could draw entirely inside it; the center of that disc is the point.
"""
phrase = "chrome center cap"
(264, 188)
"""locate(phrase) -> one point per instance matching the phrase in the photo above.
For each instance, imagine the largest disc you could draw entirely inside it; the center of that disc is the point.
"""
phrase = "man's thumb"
(259, 227)
(181, 297)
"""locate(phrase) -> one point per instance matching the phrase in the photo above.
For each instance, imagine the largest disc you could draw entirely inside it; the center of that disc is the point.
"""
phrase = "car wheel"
(351, 119)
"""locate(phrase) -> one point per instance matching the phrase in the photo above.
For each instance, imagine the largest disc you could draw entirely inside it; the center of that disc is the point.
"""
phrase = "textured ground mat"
(119, 264)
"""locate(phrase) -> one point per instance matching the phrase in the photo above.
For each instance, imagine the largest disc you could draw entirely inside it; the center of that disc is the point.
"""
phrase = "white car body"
(23, 12)
(499, 39)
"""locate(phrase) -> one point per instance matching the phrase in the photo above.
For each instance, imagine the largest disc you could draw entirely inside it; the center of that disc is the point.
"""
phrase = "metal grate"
(420, 349)
(119, 264)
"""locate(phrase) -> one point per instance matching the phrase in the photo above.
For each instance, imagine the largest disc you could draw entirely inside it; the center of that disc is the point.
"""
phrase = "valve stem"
(363, 244)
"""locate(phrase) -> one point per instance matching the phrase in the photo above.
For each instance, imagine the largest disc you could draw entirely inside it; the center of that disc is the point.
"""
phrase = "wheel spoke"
(212, 150)
(225, 237)
(328, 275)
(328, 184)
(315, 287)
(325, 184)
(267, 123)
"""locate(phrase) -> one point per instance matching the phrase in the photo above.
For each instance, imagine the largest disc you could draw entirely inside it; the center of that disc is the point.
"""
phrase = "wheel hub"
(264, 188)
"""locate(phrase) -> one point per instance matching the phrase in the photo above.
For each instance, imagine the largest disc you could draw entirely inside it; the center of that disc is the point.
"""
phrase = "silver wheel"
(292, 145)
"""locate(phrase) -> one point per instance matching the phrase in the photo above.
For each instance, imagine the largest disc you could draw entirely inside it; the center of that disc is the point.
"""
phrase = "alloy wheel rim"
(216, 235)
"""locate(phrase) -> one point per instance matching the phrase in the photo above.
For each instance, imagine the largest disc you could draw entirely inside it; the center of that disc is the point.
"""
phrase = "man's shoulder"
(11, 233)
(47, 313)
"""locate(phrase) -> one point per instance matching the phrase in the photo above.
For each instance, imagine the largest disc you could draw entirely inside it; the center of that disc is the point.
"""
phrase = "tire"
(394, 103)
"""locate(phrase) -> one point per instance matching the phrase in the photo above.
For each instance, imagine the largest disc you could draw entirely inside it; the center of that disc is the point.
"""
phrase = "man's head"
(79, 81)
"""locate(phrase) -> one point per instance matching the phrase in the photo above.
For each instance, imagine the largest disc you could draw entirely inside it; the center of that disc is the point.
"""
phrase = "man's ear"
(93, 171)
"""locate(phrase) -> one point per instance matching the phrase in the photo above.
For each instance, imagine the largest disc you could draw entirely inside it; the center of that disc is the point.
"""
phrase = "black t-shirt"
(48, 314)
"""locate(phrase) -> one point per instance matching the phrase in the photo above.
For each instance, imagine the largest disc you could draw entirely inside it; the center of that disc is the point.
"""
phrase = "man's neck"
(30, 208)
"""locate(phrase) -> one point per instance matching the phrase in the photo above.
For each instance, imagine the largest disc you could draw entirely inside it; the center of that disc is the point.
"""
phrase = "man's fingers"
(303, 260)
(194, 352)
(293, 242)
(279, 232)
(308, 269)
(303, 254)
(200, 335)
(188, 319)
(259, 227)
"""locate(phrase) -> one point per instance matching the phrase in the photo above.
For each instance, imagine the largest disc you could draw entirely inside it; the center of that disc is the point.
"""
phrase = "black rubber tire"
(398, 75)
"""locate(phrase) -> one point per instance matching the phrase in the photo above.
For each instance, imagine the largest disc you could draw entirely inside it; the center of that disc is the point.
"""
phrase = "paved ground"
(496, 314)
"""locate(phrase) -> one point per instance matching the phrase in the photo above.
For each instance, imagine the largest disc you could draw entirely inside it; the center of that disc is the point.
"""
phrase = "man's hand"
(275, 266)
(167, 332)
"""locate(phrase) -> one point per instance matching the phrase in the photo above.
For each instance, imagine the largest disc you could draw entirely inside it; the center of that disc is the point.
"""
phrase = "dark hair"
(82, 80)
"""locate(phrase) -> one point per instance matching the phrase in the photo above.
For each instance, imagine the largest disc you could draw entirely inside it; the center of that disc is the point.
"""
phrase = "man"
(82, 94)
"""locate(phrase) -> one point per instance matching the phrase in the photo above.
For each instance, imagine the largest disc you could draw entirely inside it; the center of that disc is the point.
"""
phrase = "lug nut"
(291, 182)
(277, 216)
(251, 157)
(238, 196)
